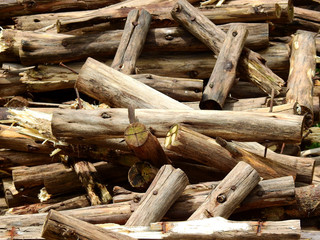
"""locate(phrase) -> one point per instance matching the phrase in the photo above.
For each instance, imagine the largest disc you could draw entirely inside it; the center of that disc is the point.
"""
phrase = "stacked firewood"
(116, 115)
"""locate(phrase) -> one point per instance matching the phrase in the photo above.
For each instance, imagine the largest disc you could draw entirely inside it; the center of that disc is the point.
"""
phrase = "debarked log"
(120, 90)
(111, 123)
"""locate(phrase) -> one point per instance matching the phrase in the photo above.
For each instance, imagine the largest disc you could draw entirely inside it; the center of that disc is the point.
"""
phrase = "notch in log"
(132, 41)
(251, 64)
(224, 72)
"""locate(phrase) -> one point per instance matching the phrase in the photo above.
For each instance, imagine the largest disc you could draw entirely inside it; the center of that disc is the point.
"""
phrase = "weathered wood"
(224, 72)
(207, 151)
(304, 166)
(58, 224)
(302, 70)
(230, 192)
(90, 179)
(145, 145)
(119, 90)
(306, 14)
(66, 123)
(14, 8)
(132, 41)
(165, 189)
(251, 64)
(141, 175)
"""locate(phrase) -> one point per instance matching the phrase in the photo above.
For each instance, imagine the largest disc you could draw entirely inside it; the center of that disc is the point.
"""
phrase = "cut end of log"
(210, 105)
(136, 134)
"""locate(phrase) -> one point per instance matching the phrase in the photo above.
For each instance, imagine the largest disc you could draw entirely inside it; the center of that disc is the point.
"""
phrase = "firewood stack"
(159, 119)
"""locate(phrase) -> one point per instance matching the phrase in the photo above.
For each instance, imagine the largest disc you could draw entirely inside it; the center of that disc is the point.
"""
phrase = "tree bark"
(58, 224)
(211, 123)
(132, 41)
(119, 90)
(251, 64)
(224, 72)
(165, 189)
(230, 192)
(302, 70)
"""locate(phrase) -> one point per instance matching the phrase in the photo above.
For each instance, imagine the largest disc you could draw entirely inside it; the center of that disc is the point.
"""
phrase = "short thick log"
(132, 41)
(165, 189)
(119, 90)
(224, 72)
(58, 224)
(230, 192)
(251, 64)
(111, 123)
(302, 70)
(145, 145)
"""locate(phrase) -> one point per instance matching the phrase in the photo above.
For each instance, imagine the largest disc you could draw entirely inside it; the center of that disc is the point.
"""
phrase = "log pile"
(159, 119)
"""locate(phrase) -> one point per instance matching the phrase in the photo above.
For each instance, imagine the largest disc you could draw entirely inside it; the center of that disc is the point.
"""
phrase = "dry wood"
(141, 175)
(58, 224)
(230, 192)
(187, 142)
(307, 14)
(304, 166)
(145, 145)
(119, 90)
(251, 64)
(132, 41)
(302, 70)
(90, 179)
(224, 72)
(165, 189)
(72, 124)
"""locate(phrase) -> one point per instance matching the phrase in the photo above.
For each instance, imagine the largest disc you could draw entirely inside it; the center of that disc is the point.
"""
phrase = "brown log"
(230, 192)
(251, 64)
(14, 8)
(119, 90)
(304, 166)
(224, 72)
(90, 179)
(165, 189)
(187, 142)
(306, 14)
(58, 224)
(211, 123)
(145, 145)
(302, 70)
(132, 41)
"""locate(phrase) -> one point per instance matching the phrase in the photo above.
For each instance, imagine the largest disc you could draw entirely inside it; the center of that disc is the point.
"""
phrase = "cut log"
(302, 70)
(73, 124)
(132, 41)
(251, 64)
(224, 72)
(119, 90)
(165, 189)
(58, 224)
(145, 145)
(187, 142)
(90, 179)
(141, 175)
(230, 192)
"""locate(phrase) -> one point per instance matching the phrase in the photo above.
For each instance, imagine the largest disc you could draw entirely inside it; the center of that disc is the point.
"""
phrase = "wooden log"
(306, 14)
(141, 175)
(132, 41)
(224, 72)
(17, 44)
(165, 189)
(302, 70)
(17, 8)
(251, 63)
(304, 166)
(187, 142)
(118, 90)
(230, 192)
(90, 179)
(57, 225)
(145, 145)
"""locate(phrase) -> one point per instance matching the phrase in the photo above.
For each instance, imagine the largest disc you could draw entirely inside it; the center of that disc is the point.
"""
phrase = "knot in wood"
(135, 23)
(193, 74)
(105, 115)
(136, 199)
(31, 4)
(221, 198)
(155, 192)
(169, 37)
(149, 76)
(192, 18)
(233, 187)
(228, 66)
(177, 8)
(211, 85)
(260, 193)
(234, 33)
(32, 148)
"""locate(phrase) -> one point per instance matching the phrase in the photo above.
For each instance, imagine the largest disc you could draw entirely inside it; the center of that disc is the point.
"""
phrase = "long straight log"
(302, 70)
(251, 64)
(66, 124)
(230, 192)
(119, 90)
